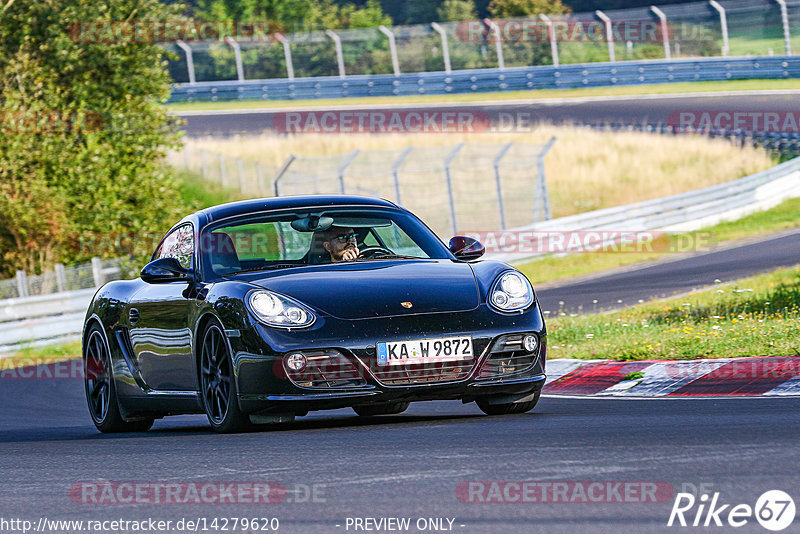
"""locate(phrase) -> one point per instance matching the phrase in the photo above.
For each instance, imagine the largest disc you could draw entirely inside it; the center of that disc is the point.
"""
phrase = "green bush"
(84, 133)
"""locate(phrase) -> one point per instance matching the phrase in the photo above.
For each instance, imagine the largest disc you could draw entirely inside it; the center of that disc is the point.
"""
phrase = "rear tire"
(392, 408)
(510, 408)
(218, 384)
(101, 393)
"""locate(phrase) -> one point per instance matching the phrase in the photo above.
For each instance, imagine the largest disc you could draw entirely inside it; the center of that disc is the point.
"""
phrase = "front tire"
(510, 408)
(217, 384)
(101, 393)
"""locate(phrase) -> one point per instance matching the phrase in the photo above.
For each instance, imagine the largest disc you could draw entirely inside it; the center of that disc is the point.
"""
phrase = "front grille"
(326, 369)
(507, 357)
(421, 373)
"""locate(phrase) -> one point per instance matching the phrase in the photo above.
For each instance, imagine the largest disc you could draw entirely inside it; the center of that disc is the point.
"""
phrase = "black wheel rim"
(215, 375)
(98, 377)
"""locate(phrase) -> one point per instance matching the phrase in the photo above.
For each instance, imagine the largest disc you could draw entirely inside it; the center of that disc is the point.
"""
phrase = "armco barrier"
(685, 211)
(485, 80)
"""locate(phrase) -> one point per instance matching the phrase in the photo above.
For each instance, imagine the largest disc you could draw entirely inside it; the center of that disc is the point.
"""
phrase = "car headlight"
(276, 310)
(511, 292)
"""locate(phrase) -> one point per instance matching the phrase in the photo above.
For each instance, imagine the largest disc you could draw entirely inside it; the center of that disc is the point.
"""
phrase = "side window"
(179, 244)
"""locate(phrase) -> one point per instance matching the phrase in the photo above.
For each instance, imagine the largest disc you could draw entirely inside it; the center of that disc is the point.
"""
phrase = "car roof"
(243, 207)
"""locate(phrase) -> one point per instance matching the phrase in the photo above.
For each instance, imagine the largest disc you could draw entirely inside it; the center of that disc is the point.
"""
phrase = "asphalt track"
(633, 110)
(669, 278)
(411, 465)
(408, 465)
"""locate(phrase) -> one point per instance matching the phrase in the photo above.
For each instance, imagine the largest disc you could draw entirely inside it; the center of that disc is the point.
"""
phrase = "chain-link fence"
(467, 186)
(82, 276)
(697, 29)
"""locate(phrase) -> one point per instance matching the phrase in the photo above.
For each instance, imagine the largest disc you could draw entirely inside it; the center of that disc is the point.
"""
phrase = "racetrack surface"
(633, 110)
(669, 278)
(407, 465)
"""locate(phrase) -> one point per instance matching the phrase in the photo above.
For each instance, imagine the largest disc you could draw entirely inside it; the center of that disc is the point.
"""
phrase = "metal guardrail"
(682, 212)
(485, 80)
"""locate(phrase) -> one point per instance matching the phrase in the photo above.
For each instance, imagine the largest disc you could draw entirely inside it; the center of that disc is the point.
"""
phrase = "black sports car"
(259, 311)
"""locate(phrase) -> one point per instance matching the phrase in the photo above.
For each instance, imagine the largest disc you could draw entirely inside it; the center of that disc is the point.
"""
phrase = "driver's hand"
(350, 254)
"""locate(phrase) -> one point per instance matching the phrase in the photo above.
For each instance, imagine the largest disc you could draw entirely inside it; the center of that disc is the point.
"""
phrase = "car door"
(159, 315)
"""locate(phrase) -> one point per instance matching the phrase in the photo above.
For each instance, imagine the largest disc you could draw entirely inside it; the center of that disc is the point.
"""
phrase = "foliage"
(99, 167)
(457, 10)
(525, 8)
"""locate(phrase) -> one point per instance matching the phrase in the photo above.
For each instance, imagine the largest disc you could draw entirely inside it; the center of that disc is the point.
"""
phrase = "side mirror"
(165, 270)
(466, 248)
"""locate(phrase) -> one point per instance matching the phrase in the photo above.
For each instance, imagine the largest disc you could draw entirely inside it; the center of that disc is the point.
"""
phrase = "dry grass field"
(586, 169)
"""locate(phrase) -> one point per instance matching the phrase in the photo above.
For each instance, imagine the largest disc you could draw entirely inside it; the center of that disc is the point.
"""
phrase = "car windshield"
(269, 241)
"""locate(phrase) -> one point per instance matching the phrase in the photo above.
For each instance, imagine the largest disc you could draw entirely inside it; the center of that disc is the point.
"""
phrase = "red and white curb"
(768, 376)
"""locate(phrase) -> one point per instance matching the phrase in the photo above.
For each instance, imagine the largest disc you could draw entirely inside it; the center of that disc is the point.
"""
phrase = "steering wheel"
(370, 252)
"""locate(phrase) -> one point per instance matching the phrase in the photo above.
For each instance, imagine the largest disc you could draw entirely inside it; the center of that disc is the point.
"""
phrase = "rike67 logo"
(774, 510)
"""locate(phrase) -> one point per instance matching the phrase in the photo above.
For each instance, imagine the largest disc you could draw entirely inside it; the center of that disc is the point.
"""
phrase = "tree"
(457, 10)
(502, 9)
(84, 131)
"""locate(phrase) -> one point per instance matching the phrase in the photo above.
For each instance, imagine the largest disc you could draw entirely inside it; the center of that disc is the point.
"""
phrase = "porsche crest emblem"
(406, 305)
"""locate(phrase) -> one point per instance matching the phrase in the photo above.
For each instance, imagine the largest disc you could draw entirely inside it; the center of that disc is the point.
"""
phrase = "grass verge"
(758, 316)
(554, 268)
(40, 355)
(625, 90)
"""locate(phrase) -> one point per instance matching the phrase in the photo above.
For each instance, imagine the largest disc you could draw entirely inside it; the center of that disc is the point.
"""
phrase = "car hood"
(363, 290)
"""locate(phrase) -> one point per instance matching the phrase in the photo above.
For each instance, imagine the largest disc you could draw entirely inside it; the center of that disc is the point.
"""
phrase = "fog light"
(530, 343)
(296, 362)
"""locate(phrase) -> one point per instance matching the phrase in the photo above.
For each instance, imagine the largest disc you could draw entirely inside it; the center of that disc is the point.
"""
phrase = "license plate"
(443, 349)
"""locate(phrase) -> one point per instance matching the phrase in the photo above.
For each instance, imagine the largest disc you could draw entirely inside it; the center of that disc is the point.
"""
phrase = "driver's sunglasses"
(347, 237)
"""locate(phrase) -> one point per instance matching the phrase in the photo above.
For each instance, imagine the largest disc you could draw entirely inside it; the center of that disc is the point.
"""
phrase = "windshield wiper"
(267, 268)
(390, 257)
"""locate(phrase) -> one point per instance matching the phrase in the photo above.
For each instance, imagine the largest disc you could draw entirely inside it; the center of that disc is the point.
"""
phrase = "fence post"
(723, 20)
(242, 181)
(189, 59)
(237, 54)
(551, 31)
(447, 161)
(22, 284)
(445, 47)
(612, 56)
(287, 55)
(97, 272)
(498, 42)
(337, 41)
(496, 165)
(61, 278)
(392, 49)
(395, 169)
(664, 30)
(542, 183)
(346, 163)
(260, 177)
(787, 36)
(281, 172)
(223, 176)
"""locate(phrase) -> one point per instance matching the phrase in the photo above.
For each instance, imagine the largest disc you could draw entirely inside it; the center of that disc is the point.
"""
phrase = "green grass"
(198, 193)
(553, 268)
(623, 90)
(758, 316)
(38, 355)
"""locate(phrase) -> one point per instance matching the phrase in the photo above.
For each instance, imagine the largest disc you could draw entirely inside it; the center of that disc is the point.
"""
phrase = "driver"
(340, 243)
